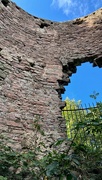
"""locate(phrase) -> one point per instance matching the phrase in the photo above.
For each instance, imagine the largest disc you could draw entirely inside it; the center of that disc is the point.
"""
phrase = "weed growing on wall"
(26, 165)
(77, 161)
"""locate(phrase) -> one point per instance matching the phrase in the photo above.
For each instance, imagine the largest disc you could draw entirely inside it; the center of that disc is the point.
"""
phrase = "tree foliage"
(84, 126)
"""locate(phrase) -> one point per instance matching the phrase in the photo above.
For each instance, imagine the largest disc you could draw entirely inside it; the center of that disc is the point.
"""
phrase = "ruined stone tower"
(37, 57)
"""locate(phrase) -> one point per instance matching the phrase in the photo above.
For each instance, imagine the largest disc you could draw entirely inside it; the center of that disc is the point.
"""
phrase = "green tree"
(74, 115)
(83, 125)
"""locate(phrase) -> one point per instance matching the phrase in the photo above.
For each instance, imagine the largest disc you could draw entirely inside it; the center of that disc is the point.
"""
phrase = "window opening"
(83, 83)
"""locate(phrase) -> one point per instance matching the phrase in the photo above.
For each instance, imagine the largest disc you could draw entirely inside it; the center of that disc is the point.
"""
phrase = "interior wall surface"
(37, 58)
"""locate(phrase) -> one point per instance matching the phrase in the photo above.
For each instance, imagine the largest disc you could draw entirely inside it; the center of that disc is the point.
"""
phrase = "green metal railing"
(84, 124)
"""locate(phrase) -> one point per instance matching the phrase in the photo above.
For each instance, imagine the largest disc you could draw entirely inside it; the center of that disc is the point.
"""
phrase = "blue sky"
(87, 79)
(59, 10)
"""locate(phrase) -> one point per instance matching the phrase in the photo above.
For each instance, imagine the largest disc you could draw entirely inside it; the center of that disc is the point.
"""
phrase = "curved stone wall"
(37, 57)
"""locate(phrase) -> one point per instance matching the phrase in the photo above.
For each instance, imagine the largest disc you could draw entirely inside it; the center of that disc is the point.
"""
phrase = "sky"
(87, 80)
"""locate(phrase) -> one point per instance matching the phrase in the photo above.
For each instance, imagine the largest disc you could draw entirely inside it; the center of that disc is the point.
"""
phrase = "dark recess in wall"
(43, 24)
(5, 2)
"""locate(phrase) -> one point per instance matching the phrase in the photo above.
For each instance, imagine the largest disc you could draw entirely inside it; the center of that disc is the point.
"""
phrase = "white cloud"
(66, 5)
(77, 8)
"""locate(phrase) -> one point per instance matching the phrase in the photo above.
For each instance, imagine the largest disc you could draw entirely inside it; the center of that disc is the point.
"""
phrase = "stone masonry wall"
(37, 57)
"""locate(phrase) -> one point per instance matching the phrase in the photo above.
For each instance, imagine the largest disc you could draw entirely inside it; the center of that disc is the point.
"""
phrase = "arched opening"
(83, 83)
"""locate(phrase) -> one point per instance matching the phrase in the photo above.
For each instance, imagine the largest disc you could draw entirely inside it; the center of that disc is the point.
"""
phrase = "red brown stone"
(37, 57)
